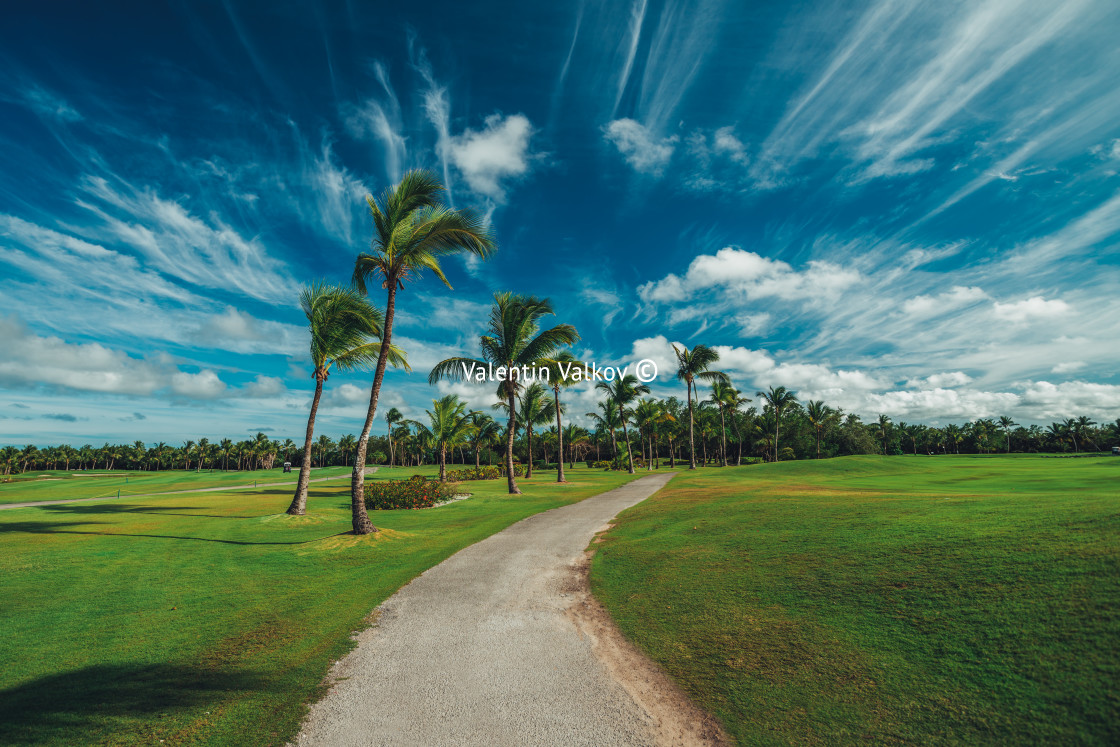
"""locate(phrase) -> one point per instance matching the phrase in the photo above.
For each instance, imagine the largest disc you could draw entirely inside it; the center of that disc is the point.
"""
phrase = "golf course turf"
(961, 600)
(211, 617)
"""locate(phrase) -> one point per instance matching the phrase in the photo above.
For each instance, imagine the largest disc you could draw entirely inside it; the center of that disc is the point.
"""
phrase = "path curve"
(32, 504)
(487, 648)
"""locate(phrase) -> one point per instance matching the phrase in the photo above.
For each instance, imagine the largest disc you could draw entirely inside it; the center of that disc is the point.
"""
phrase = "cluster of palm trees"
(259, 452)
(987, 435)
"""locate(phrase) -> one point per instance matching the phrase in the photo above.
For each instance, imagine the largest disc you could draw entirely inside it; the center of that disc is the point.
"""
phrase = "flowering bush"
(518, 470)
(415, 492)
(474, 473)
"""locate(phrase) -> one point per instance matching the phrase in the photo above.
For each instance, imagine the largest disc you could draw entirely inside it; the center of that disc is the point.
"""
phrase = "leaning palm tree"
(692, 365)
(778, 399)
(515, 341)
(621, 392)
(413, 231)
(343, 328)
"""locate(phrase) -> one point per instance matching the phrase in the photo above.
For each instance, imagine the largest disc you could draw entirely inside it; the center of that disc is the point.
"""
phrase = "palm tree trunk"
(443, 463)
(819, 443)
(691, 423)
(512, 483)
(299, 500)
(723, 435)
(529, 440)
(559, 437)
(476, 449)
(626, 435)
(360, 519)
(777, 421)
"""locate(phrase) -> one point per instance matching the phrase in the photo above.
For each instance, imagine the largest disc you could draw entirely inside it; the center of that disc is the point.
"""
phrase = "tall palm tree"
(883, 427)
(562, 373)
(483, 432)
(606, 420)
(621, 392)
(412, 232)
(343, 328)
(515, 341)
(779, 399)
(1007, 424)
(819, 414)
(693, 365)
(1083, 426)
(392, 417)
(727, 399)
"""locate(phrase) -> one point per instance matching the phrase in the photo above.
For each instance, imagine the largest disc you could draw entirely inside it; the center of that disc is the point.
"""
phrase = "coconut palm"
(727, 399)
(413, 231)
(621, 392)
(343, 327)
(392, 417)
(1083, 427)
(484, 431)
(515, 341)
(779, 399)
(818, 413)
(449, 426)
(1007, 424)
(562, 373)
(693, 365)
(606, 421)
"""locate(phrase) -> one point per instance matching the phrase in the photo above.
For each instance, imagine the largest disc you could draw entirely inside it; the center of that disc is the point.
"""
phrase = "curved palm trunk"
(299, 500)
(476, 450)
(559, 437)
(529, 440)
(512, 483)
(391, 450)
(360, 519)
(626, 435)
(691, 424)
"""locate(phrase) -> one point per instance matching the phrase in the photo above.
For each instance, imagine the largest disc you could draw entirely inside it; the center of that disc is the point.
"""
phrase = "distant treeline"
(659, 431)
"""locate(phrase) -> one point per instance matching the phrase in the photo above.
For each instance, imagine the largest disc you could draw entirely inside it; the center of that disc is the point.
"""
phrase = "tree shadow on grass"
(60, 527)
(87, 705)
(116, 508)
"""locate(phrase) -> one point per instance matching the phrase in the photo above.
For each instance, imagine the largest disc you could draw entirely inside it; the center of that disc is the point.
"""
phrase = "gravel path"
(124, 496)
(487, 648)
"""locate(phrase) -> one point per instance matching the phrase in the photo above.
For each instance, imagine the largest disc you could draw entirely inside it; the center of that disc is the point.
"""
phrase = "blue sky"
(906, 208)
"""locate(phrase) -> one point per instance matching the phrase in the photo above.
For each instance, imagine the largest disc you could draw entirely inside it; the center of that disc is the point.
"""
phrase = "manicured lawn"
(886, 600)
(60, 485)
(210, 617)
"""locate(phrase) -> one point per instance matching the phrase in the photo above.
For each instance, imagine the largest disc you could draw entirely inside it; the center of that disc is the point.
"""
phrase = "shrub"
(378, 457)
(518, 470)
(474, 473)
(415, 492)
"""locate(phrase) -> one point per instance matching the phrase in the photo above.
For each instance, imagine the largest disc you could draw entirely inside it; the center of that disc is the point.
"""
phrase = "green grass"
(948, 600)
(60, 485)
(210, 617)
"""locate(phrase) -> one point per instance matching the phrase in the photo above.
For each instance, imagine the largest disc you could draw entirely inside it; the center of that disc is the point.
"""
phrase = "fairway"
(885, 600)
(211, 617)
(64, 486)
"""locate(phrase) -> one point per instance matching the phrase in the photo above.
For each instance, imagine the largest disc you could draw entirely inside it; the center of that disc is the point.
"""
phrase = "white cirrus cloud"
(957, 297)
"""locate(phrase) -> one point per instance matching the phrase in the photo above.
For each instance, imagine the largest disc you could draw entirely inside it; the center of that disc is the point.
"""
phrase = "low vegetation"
(415, 492)
(956, 600)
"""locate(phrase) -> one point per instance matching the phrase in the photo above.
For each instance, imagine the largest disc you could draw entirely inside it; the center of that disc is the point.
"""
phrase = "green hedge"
(474, 473)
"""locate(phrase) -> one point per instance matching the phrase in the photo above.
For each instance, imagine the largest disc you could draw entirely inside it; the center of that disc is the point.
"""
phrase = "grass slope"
(210, 617)
(60, 485)
(931, 600)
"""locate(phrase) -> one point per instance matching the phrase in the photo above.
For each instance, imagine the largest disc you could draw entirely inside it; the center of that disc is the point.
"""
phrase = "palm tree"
(883, 428)
(1082, 426)
(483, 432)
(450, 426)
(1007, 424)
(819, 414)
(606, 420)
(1070, 426)
(535, 410)
(515, 341)
(726, 398)
(561, 373)
(392, 417)
(343, 327)
(622, 391)
(778, 399)
(413, 231)
(692, 365)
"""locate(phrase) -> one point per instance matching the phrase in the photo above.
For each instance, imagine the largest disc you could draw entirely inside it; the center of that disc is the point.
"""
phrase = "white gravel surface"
(482, 650)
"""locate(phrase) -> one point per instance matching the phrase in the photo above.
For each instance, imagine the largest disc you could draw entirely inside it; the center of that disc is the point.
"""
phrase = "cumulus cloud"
(31, 360)
(746, 276)
(644, 152)
(1029, 309)
(498, 152)
(958, 297)
(1068, 367)
(263, 387)
(941, 380)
